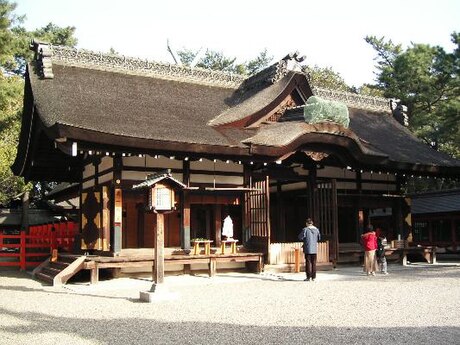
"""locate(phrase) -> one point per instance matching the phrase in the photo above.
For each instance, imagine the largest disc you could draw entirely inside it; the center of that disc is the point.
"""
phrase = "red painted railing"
(29, 250)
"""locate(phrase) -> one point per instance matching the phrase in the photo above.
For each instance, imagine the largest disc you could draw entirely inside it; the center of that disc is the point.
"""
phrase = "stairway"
(58, 272)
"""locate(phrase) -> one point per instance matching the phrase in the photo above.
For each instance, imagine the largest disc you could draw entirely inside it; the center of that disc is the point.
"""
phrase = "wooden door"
(257, 214)
(326, 215)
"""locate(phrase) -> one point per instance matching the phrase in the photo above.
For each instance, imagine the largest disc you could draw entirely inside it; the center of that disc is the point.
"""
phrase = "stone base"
(158, 292)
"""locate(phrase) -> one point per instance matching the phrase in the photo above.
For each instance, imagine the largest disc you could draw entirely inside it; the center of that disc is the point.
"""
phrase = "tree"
(325, 77)
(11, 89)
(8, 43)
(14, 43)
(426, 79)
(217, 61)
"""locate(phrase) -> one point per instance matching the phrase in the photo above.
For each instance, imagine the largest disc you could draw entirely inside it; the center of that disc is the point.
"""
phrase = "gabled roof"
(155, 178)
(436, 202)
(117, 104)
(378, 134)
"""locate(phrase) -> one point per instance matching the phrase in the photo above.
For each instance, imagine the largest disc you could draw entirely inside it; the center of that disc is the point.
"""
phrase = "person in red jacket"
(369, 242)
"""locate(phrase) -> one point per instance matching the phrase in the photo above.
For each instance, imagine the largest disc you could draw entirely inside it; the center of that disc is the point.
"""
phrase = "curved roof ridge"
(130, 65)
(354, 100)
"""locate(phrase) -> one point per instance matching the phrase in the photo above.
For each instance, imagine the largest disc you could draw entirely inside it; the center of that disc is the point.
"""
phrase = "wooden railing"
(29, 250)
(284, 253)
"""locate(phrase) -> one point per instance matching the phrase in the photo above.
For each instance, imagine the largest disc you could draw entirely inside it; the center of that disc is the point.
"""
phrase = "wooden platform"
(145, 258)
(428, 252)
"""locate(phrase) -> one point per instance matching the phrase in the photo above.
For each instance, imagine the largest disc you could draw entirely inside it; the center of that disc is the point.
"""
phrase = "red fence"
(29, 250)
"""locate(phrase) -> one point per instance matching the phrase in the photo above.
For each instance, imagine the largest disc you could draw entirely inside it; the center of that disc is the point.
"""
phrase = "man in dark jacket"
(310, 236)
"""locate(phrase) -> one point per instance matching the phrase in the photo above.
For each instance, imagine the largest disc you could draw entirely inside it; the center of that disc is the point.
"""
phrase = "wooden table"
(207, 246)
(232, 245)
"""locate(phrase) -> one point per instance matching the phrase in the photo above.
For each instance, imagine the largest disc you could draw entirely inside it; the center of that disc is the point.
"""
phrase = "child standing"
(382, 260)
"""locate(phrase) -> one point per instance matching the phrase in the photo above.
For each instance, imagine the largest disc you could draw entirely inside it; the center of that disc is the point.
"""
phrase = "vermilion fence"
(29, 250)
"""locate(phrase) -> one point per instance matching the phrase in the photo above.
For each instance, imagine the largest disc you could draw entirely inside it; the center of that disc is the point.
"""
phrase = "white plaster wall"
(379, 187)
(106, 163)
(105, 178)
(217, 166)
(346, 185)
(88, 170)
(142, 175)
(201, 178)
(88, 184)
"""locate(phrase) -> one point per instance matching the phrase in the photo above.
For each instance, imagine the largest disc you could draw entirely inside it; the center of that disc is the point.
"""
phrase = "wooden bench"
(428, 252)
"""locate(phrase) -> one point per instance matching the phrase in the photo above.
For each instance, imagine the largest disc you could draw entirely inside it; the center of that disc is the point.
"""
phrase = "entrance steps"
(59, 271)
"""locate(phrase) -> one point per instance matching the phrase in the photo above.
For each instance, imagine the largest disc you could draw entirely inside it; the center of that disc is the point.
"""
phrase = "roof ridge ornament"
(293, 61)
(42, 56)
(272, 74)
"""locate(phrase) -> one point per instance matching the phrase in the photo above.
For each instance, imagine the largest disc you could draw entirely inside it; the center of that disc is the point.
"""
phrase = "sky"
(329, 32)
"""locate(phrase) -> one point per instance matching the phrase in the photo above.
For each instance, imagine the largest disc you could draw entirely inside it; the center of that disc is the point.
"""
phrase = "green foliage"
(319, 110)
(426, 79)
(258, 63)
(10, 105)
(14, 43)
(218, 62)
(8, 40)
(325, 77)
(370, 90)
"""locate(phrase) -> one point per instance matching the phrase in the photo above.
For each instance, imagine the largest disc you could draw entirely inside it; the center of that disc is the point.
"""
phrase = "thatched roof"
(116, 104)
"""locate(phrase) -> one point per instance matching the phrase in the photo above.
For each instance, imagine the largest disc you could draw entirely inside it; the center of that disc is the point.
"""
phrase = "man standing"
(310, 236)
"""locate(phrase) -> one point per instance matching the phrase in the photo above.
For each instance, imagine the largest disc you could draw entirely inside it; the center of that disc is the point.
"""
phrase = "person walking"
(310, 236)
(369, 242)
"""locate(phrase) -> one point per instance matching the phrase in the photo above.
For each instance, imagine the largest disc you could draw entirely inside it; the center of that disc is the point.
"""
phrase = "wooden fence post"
(22, 251)
(53, 242)
(296, 260)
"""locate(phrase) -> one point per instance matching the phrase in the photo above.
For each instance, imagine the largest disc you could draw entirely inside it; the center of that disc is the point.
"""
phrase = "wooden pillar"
(159, 263)
(312, 207)
(116, 239)
(359, 182)
(105, 219)
(185, 228)
(281, 224)
(246, 203)
(118, 220)
(185, 209)
(397, 218)
(25, 212)
(218, 224)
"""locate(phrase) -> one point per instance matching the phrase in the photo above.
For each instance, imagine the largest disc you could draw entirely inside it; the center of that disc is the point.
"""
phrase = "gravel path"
(417, 304)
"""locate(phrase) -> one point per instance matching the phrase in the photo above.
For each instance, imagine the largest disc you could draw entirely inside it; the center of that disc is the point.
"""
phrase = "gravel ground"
(417, 304)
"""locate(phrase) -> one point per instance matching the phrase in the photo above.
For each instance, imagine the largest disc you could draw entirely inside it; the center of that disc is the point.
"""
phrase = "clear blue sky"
(329, 32)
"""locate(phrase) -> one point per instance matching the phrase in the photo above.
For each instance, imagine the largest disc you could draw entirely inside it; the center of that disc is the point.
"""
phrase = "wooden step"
(44, 278)
(50, 271)
(60, 265)
(58, 272)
